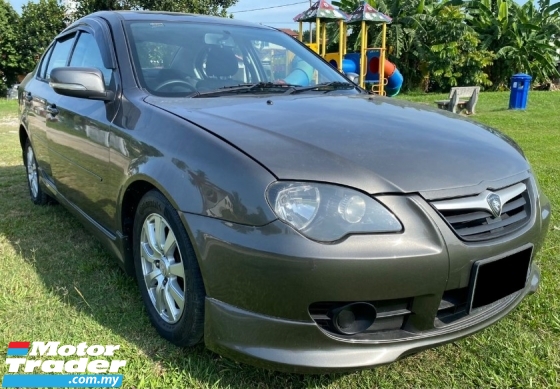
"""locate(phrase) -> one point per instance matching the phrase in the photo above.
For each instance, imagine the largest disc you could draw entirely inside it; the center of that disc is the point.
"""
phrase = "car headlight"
(327, 213)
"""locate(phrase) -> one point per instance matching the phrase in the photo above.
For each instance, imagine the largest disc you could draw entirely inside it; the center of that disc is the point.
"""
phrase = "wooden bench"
(457, 99)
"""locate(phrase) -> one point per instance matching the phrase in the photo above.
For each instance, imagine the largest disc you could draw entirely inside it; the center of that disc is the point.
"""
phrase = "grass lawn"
(58, 284)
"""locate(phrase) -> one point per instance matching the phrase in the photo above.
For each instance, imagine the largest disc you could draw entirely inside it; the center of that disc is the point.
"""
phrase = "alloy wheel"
(32, 176)
(162, 268)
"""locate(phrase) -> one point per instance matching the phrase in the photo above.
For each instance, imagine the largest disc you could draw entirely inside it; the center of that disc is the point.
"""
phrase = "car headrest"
(221, 62)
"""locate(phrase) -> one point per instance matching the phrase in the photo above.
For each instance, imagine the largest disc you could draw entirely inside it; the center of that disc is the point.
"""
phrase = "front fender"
(201, 174)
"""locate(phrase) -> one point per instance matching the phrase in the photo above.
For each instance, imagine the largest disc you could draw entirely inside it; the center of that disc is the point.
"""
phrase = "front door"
(79, 140)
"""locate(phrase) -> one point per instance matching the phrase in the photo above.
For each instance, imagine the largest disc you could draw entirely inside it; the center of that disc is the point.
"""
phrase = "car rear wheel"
(38, 196)
(167, 271)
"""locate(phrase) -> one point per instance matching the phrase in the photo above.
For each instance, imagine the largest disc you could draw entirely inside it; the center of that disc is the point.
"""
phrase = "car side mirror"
(354, 77)
(86, 83)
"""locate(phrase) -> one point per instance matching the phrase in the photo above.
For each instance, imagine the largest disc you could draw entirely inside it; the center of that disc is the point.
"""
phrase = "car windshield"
(198, 59)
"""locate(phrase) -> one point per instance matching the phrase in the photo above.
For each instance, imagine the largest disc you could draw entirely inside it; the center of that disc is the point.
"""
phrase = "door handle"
(52, 109)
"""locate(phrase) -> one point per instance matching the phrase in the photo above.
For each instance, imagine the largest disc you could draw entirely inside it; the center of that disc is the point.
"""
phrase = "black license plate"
(493, 279)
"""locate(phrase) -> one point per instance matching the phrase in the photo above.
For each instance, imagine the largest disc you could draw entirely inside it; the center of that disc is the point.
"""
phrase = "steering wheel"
(175, 82)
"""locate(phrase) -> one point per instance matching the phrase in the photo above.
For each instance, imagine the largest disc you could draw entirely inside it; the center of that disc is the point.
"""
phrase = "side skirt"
(115, 243)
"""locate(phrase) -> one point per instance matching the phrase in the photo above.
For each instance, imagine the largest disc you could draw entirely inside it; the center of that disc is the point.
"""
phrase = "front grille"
(471, 217)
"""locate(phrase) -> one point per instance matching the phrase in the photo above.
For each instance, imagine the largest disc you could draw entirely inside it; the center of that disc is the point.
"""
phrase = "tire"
(38, 196)
(167, 269)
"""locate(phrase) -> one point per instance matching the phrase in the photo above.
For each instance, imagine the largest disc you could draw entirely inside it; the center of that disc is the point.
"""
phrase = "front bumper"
(261, 281)
(301, 347)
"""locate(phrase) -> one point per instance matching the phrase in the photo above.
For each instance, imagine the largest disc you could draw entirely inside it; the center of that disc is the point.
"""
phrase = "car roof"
(171, 17)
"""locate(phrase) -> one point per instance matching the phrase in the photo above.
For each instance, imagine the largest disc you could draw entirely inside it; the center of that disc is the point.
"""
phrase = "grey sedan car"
(268, 206)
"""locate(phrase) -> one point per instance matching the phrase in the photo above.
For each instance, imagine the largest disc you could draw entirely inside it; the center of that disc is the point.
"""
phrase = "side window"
(43, 66)
(87, 54)
(60, 55)
(280, 63)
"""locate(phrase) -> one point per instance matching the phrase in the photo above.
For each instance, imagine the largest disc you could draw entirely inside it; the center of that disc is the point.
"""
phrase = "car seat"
(221, 66)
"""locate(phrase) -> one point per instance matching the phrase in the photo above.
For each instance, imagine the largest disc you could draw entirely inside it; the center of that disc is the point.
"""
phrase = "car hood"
(378, 145)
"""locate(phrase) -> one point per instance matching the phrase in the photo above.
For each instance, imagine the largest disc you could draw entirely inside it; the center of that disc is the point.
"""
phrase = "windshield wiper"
(326, 86)
(246, 88)
(269, 87)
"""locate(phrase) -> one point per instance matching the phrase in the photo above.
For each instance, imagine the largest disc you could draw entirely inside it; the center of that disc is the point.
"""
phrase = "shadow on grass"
(497, 110)
(75, 268)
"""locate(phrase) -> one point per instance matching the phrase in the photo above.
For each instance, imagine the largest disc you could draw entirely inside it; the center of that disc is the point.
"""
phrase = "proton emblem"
(495, 203)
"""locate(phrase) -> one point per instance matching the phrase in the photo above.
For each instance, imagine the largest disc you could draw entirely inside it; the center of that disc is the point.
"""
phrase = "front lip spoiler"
(301, 347)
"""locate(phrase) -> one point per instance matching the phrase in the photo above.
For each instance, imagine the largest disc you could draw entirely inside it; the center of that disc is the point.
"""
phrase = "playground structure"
(386, 80)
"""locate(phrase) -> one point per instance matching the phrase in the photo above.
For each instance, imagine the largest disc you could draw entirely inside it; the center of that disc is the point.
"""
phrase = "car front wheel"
(167, 271)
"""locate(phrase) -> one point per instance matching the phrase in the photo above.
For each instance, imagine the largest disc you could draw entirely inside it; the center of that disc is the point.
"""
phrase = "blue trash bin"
(520, 85)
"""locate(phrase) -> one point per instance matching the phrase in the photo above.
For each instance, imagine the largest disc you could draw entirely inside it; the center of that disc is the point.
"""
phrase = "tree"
(307, 34)
(86, 7)
(455, 57)
(39, 23)
(521, 36)
(9, 56)
(207, 7)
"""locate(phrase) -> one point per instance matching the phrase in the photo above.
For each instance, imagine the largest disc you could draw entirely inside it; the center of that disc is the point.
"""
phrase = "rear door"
(37, 97)
(79, 139)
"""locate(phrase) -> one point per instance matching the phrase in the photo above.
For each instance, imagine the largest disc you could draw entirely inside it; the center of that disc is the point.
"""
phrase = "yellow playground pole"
(324, 36)
(366, 40)
(382, 61)
(300, 32)
(345, 40)
(362, 55)
(318, 35)
(341, 39)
